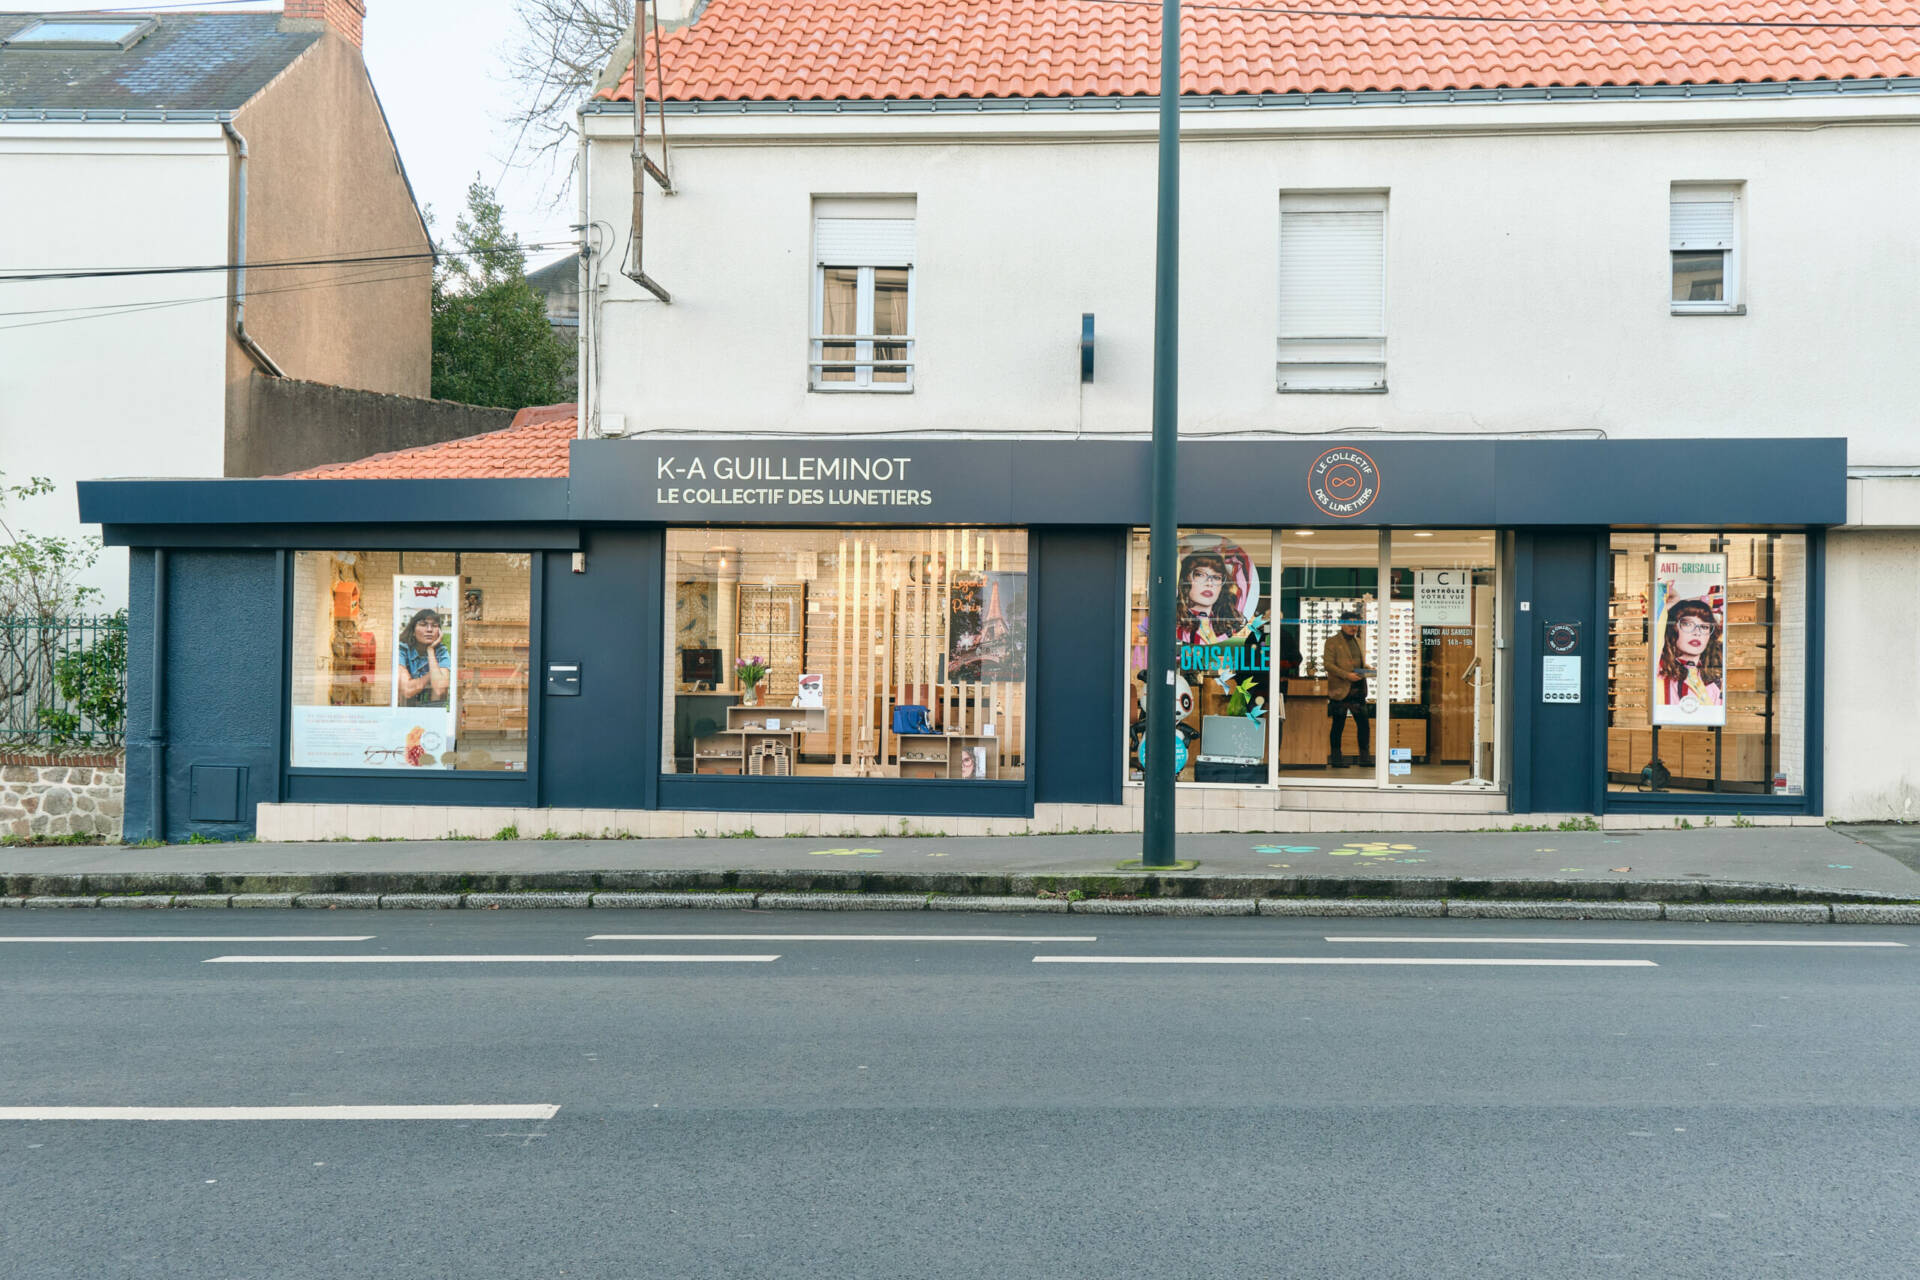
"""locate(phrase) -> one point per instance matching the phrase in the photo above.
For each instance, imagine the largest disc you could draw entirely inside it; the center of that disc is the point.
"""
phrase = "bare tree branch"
(554, 62)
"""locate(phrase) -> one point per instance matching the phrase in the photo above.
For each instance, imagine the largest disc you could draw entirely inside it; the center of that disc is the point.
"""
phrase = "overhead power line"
(104, 273)
(108, 311)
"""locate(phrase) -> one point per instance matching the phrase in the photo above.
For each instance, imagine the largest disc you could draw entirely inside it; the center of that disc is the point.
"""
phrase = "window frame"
(863, 339)
(1732, 301)
(1307, 202)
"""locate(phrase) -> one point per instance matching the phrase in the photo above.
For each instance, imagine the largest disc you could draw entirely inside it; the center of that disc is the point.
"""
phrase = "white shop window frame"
(1333, 354)
(1725, 233)
(888, 238)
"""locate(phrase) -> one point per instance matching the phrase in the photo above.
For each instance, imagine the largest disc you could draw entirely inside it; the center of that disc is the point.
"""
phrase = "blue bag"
(912, 720)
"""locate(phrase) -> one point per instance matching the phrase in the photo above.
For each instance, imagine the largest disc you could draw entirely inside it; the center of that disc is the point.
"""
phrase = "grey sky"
(438, 67)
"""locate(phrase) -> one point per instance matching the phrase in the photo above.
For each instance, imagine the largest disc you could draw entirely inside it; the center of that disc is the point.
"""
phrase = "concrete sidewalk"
(1717, 864)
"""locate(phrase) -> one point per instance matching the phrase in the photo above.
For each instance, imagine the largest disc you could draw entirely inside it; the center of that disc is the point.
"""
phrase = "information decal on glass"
(1559, 679)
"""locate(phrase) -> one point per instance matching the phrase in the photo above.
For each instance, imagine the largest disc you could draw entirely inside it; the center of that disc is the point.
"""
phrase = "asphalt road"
(932, 1108)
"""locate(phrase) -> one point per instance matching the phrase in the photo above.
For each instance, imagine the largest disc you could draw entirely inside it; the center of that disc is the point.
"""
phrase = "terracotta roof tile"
(742, 50)
(534, 446)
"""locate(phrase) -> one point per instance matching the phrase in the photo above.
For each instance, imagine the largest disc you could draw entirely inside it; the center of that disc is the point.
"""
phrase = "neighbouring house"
(558, 284)
(1545, 405)
(140, 155)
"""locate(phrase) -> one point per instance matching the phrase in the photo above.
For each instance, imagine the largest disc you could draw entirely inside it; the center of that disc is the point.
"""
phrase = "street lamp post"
(1157, 845)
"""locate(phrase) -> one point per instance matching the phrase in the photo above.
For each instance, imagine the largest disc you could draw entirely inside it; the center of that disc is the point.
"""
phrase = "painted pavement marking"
(201, 937)
(1612, 942)
(1443, 961)
(495, 959)
(454, 1111)
(835, 937)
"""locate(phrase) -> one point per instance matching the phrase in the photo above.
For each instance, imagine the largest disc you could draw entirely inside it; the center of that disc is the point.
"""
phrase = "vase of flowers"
(750, 672)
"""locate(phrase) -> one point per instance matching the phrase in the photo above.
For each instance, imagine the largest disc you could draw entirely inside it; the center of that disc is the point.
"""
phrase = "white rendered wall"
(1873, 676)
(1527, 273)
(85, 393)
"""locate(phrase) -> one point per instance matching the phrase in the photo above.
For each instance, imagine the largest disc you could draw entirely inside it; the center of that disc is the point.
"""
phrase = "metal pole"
(1157, 846)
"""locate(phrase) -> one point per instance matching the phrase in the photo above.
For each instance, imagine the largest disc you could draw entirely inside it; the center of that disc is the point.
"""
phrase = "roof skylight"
(80, 33)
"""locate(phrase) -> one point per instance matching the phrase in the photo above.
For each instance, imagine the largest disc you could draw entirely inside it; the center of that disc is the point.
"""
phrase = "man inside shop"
(1347, 672)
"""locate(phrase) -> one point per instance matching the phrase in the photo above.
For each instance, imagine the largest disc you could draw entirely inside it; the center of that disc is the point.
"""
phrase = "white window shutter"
(864, 242)
(1702, 224)
(1333, 274)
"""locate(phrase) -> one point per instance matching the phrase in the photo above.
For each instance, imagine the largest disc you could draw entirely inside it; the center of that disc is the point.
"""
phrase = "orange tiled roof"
(534, 446)
(781, 50)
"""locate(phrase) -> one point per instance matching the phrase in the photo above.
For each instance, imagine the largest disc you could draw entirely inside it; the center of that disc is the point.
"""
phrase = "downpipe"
(253, 349)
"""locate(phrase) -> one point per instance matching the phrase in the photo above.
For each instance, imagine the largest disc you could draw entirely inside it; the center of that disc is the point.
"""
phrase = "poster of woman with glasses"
(1218, 590)
(1688, 639)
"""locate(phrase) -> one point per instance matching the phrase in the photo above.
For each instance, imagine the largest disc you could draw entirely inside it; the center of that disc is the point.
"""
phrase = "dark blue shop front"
(951, 628)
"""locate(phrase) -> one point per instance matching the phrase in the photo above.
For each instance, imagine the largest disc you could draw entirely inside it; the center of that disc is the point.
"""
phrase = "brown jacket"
(1343, 657)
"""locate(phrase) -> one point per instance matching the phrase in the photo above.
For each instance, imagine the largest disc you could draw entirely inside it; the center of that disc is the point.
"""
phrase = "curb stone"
(11, 902)
(842, 902)
(62, 902)
(1163, 906)
(1417, 907)
(1856, 913)
(419, 901)
(268, 900)
(965, 902)
(129, 902)
(323, 901)
(551, 901)
(1753, 912)
(1468, 909)
(203, 900)
(693, 901)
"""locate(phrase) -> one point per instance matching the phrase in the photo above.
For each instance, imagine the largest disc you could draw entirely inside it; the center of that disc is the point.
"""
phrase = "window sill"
(1712, 309)
(1331, 391)
(861, 391)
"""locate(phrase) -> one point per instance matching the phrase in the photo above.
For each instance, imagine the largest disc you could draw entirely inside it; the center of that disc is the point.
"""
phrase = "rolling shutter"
(864, 242)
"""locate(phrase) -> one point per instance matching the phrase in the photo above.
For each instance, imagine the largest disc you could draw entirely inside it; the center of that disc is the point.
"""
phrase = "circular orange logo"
(1343, 482)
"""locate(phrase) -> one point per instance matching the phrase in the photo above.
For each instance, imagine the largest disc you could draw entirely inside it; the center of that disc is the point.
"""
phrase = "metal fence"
(63, 681)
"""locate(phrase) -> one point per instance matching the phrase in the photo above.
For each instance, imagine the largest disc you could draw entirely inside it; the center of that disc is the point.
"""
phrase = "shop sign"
(1443, 598)
(760, 483)
(1343, 482)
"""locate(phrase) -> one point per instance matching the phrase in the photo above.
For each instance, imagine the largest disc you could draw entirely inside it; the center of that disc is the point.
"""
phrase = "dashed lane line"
(1434, 961)
(454, 1111)
(496, 959)
(837, 937)
(198, 937)
(1608, 942)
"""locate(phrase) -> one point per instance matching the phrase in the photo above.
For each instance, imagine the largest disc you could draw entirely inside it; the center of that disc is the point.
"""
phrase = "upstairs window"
(863, 296)
(1703, 242)
(1333, 292)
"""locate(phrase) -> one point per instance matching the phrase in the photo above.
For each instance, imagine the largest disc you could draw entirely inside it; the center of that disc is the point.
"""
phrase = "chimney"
(343, 17)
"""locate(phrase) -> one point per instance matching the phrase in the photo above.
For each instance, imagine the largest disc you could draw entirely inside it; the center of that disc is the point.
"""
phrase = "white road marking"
(1615, 942)
(1370, 960)
(200, 937)
(834, 937)
(503, 959)
(455, 1111)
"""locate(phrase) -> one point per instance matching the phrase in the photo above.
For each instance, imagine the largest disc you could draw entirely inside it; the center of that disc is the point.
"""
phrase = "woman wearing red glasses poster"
(1689, 640)
(1218, 592)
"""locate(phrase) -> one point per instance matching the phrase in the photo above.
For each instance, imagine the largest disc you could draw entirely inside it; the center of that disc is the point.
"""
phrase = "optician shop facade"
(815, 636)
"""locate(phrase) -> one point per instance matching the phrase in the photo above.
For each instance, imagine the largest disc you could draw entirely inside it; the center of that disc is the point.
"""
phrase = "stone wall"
(61, 795)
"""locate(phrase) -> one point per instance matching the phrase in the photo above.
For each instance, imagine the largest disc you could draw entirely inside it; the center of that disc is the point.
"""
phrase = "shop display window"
(1330, 653)
(1442, 663)
(1223, 701)
(842, 654)
(1706, 663)
(1299, 640)
(411, 660)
